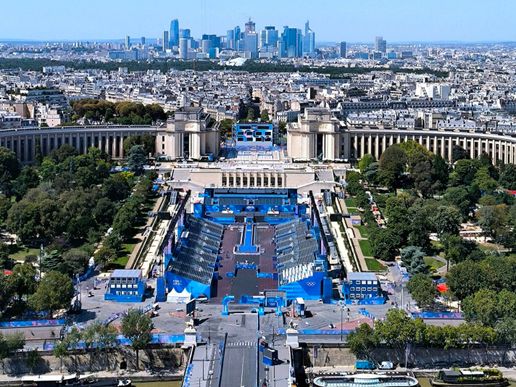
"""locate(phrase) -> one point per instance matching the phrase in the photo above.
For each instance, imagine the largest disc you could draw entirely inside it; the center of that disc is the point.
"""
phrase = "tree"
(10, 344)
(264, 115)
(412, 258)
(460, 198)
(415, 154)
(250, 114)
(459, 153)
(226, 128)
(423, 290)
(33, 359)
(362, 341)
(74, 261)
(54, 291)
(362, 200)
(136, 159)
(385, 243)
(116, 187)
(487, 306)
(484, 181)
(392, 165)
(60, 351)
(464, 172)
(507, 177)
(62, 153)
(422, 176)
(22, 281)
(27, 179)
(397, 330)
(466, 278)
(365, 162)
(9, 169)
(147, 141)
(353, 185)
(493, 219)
(446, 220)
(506, 331)
(458, 250)
(137, 327)
(440, 173)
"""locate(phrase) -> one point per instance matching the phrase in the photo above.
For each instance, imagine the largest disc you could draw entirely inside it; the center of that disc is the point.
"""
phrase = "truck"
(300, 307)
(364, 365)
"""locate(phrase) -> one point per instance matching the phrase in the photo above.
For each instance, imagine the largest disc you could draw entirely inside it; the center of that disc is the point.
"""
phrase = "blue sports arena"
(243, 243)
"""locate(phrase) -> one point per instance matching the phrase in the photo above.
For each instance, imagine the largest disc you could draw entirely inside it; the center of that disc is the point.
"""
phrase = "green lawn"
(364, 232)
(365, 245)
(19, 253)
(374, 265)
(433, 263)
(351, 202)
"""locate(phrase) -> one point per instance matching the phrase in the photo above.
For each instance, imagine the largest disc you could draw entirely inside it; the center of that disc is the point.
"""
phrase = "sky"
(332, 20)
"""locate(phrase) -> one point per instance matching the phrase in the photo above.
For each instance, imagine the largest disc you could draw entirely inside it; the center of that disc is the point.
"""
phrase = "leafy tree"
(74, 261)
(54, 291)
(104, 211)
(506, 331)
(488, 307)
(458, 250)
(440, 173)
(423, 178)
(62, 153)
(484, 181)
(464, 172)
(385, 243)
(507, 177)
(147, 141)
(397, 330)
(362, 200)
(459, 153)
(60, 351)
(353, 185)
(22, 281)
(362, 341)
(466, 278)
(226, 128)
(371, 173)
(493, 219)
(392, 165)
(105, 254)
(137, 327)
(423, 290)
(415, 154)
(27, 179)
(116, 187)
(10, 344)
(136, 159)
(33, 359)
(250, 114)
(412, 258)
(365, 162)
(264, 115)
(37, 216)
(460, 198)
(446, 220)
(9, 169)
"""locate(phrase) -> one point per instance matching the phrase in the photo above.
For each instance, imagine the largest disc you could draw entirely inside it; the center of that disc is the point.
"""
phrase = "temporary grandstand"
(247, 242)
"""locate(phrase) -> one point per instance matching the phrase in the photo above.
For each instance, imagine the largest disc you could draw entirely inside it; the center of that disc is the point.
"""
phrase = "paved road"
(240, 362)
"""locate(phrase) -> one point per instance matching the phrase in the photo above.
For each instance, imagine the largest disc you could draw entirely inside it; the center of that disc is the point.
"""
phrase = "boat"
(366, 380)
(469, 378)
(58, 380)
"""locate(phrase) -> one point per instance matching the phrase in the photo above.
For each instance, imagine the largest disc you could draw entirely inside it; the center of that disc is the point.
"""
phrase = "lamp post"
(341, 312)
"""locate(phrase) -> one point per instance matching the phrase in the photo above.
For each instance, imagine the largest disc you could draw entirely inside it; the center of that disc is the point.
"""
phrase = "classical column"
(450, 147)
(121, 147)
(113, 146)
(362, 147)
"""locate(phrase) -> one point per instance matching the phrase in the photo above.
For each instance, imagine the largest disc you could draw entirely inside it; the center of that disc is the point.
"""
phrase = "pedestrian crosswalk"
(240, 344)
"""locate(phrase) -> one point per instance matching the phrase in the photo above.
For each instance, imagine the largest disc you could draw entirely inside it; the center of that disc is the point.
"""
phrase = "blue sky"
(332, 20)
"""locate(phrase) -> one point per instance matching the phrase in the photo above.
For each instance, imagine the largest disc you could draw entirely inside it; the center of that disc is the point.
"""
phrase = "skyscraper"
(343, 49)
(184, 45)
(185, 33)
(230, 39)
(250, 26)
(142, 40)
(380, 44)
(291, 43)
(238, 35)
(269, 38)
(174, 33)
(166, 43)
(127, 42)
(308, 40)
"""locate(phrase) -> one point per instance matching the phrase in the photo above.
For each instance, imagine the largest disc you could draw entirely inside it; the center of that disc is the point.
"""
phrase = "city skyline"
(396, 21)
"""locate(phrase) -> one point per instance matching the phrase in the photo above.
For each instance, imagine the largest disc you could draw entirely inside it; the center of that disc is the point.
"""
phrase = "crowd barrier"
(32, 323)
